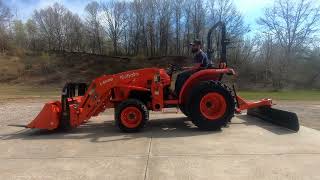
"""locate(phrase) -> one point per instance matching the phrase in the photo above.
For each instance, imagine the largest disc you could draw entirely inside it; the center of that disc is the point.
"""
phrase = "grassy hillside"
(305, 95)
(57, 68)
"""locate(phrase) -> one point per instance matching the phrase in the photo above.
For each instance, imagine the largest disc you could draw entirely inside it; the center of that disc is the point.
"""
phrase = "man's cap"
(196, 42)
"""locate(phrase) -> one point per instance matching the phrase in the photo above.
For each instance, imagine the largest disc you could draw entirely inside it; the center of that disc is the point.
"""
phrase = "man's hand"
(194, 67)
(222, 65)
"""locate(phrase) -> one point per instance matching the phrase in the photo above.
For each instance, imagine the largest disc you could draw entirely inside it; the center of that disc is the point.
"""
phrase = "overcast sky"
(23, 9)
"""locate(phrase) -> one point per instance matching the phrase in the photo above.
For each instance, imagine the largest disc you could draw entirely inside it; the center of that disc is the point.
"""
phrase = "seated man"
(200, 60)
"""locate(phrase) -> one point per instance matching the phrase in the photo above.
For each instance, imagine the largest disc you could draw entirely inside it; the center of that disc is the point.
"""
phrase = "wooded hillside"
(283, 53)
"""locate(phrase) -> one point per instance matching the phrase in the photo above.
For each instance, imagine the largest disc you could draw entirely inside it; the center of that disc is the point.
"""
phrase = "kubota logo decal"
(127, 76)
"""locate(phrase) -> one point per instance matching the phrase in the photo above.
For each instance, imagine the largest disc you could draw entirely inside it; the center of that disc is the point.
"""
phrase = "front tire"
(131, 115)
(212, 105)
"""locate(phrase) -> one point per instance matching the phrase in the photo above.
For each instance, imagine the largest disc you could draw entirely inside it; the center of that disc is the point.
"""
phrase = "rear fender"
(196, 78)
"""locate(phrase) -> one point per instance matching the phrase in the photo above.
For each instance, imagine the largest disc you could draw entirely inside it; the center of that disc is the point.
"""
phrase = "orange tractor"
(203, 98)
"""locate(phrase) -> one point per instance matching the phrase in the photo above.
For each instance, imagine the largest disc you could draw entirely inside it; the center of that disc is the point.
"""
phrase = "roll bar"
(224, 42)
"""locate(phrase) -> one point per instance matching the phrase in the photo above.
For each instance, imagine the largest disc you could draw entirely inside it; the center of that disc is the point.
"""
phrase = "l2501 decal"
(105, 81)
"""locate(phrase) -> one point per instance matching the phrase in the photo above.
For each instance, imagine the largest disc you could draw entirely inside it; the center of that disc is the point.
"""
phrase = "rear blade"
(279, 117)
(48, 118)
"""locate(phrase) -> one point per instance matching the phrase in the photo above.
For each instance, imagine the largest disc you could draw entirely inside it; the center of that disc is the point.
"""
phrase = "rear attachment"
(279, 117)
(262, 109)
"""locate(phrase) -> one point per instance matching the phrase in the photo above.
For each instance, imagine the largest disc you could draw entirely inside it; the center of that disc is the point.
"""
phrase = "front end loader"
(204, 98)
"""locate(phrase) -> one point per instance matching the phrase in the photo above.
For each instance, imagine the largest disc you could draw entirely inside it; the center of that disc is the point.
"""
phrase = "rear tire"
(131, 115)
(211, 106)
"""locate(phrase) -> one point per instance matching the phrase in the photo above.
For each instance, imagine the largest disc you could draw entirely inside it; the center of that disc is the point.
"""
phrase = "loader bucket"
(282, 118)
(48, 118)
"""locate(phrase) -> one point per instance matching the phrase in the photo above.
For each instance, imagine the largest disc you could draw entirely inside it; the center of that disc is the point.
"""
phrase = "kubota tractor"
(204, 98)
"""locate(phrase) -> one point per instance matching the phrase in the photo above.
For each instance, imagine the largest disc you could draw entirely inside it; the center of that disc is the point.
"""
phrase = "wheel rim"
(131, 117)
(213, 106)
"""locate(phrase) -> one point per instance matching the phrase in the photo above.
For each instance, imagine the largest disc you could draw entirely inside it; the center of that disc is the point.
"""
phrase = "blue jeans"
(181, 79)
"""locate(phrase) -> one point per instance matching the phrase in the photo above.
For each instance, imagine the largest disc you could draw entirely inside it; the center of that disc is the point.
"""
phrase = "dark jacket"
(202, 58)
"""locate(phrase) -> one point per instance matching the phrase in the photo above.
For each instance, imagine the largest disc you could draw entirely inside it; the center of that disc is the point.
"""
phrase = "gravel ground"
(307, 111)
(169, 148)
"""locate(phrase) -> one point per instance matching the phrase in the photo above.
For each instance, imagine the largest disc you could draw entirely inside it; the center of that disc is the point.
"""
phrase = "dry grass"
(11, 67)
(8, 92)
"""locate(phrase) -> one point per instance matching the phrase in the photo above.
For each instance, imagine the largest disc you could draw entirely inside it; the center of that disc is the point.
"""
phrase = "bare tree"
(94, 28)
(164, 17)
(198, 16)
(292, 24)
(151, 26)
(73, 32)
(137, 28)
(187, 26)
(267, 50)
(115, 13)
(5, 17)
(59, 27)
(178, 15)
(49, 21)
(225, 10)
(5, 14)
(19, 34)
(32, 34)
(312, 76)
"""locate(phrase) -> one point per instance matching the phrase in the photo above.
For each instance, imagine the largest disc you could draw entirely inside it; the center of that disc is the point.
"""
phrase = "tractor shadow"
(107, 132)
(98, 132)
